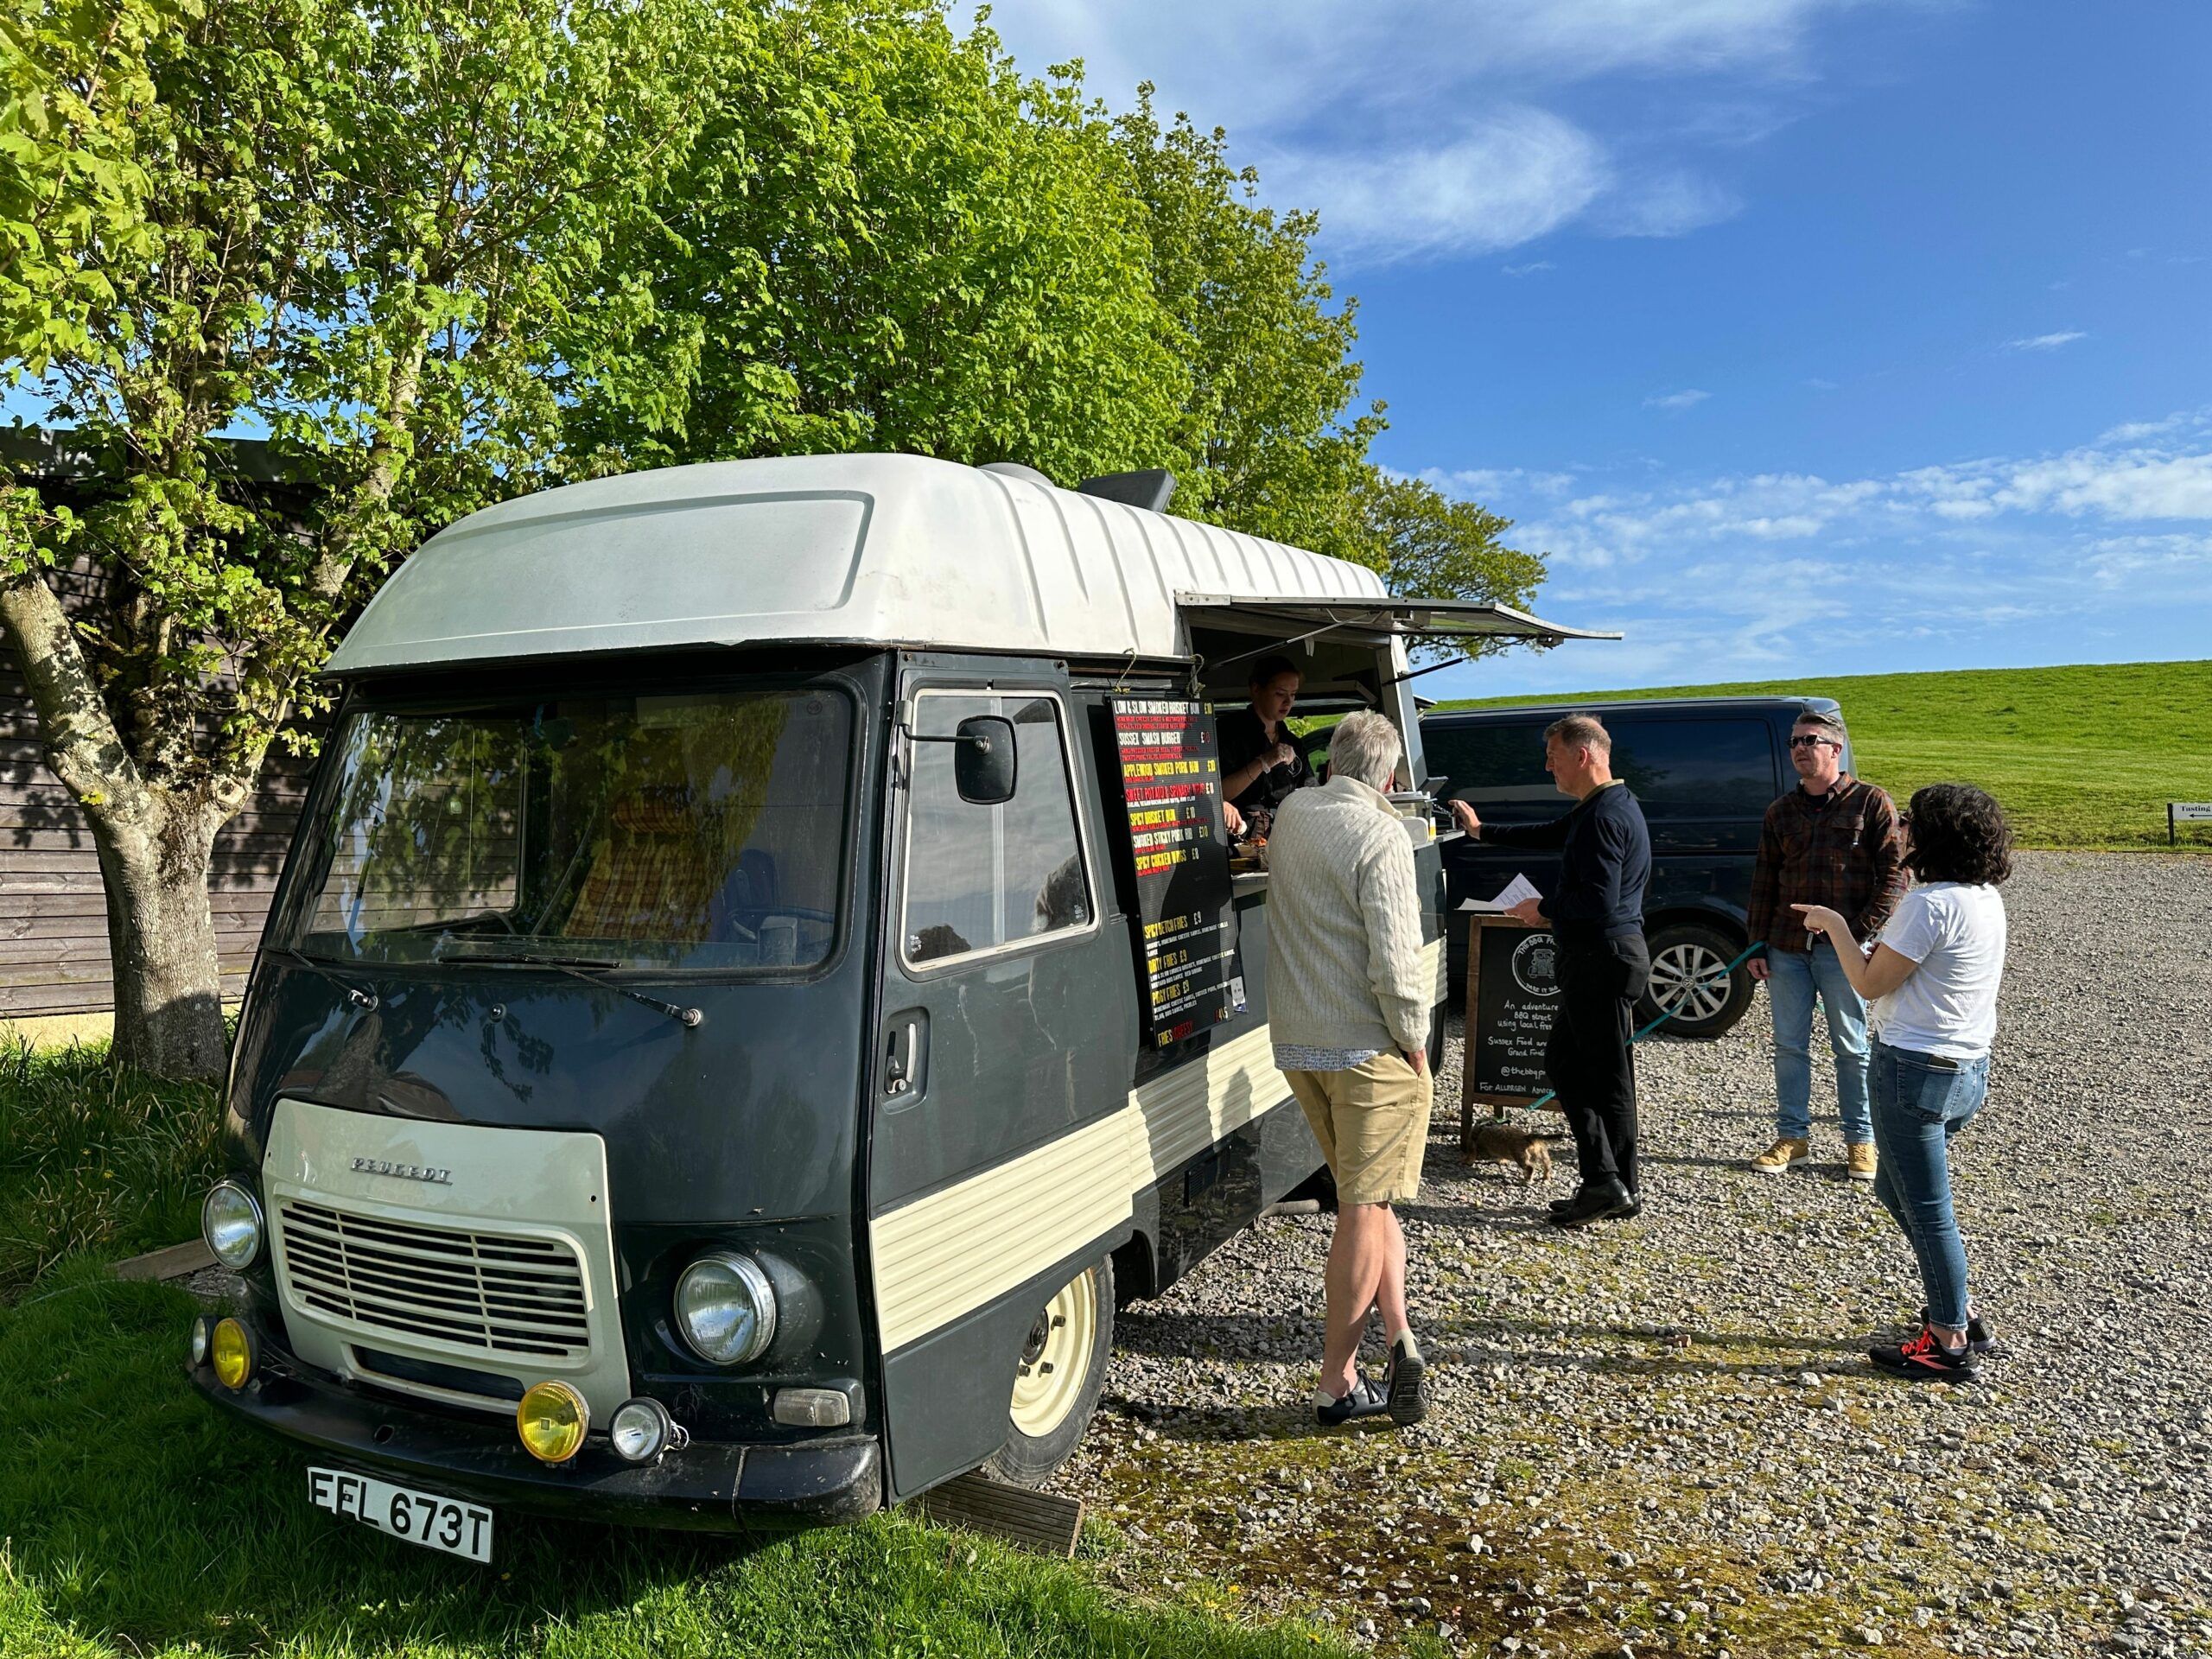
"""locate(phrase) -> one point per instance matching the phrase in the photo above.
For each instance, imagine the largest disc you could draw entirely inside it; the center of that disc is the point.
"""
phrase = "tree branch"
(82, 744)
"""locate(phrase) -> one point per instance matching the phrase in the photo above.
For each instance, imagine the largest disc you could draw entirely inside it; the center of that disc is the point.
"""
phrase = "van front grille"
(461, 1289)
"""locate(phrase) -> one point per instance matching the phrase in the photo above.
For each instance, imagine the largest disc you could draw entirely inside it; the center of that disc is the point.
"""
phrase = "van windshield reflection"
(698, 831)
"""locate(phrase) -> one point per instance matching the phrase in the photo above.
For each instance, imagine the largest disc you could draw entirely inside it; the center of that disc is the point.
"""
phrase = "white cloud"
(1675, 402)
(1340, 105)
(1531, 269)
(2104, 547)
(1672, 203)
(1519, 175)
(2046, 342)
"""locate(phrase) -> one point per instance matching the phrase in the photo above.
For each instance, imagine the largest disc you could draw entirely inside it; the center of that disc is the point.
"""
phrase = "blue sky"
(1806, 336)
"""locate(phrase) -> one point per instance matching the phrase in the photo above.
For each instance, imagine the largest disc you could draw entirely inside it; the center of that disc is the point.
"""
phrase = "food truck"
(757, 980)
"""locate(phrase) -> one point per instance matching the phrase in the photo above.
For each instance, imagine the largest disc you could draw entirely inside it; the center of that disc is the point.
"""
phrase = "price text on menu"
(1171, 785)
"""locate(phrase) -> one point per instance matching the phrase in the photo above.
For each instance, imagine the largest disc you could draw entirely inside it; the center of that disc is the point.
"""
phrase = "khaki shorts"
(1372, 1123)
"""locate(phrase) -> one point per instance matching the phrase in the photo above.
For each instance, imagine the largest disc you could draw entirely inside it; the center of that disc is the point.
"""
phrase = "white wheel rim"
(1056, 1360)
(1689, 979)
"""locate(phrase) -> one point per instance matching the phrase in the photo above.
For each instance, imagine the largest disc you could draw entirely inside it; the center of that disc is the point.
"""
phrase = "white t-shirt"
(1948, 1006)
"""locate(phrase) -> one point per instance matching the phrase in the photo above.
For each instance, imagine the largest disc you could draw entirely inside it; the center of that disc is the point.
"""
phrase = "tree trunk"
(161, 930)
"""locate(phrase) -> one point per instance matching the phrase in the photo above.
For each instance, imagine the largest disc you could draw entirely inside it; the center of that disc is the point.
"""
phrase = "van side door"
(998, 1166)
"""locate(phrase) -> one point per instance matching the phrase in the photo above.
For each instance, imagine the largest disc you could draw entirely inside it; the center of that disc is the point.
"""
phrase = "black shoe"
(1402, 1385)
(1923, 1359)
(1981, 1339)
(1366, 1400)
(1598, 1201)
(1630, 1211)
(1560, 1206)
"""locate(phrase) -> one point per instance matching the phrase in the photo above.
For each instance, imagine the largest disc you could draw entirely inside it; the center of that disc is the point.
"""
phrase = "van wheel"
(1690, 974)
(1057, 1383)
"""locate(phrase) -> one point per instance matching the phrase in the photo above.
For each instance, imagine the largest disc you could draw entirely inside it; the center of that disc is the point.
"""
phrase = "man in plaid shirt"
(1834, 840)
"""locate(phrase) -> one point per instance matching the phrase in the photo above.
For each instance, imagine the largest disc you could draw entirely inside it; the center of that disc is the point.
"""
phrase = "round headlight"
(233, 1351)
(641, 1430)
(200, 1342)
(231, 1223)
(726, 1308)
(551, 1420)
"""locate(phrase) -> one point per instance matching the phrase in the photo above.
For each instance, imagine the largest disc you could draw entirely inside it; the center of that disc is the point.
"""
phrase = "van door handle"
(903, 1058)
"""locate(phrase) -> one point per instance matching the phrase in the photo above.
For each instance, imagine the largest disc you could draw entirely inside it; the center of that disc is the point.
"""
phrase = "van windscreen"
(695, 831)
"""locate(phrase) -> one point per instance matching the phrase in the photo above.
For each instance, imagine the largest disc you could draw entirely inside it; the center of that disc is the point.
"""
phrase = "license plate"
(422, 1518)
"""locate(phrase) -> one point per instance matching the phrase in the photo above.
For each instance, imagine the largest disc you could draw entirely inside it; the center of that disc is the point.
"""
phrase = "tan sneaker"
(1859, 1156)
(1784, 1154)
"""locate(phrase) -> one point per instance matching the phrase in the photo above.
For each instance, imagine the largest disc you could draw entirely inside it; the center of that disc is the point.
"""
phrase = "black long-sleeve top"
(1605, 863)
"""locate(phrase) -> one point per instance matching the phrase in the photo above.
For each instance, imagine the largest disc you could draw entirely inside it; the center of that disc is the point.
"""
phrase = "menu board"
(1170, 788)
(1513, 992)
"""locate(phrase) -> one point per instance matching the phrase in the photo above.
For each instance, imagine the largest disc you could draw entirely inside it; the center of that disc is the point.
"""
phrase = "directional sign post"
(2179, 812)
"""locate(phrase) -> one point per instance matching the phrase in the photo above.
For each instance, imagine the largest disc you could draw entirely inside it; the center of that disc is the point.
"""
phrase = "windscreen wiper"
(364, 999)
(590, 969)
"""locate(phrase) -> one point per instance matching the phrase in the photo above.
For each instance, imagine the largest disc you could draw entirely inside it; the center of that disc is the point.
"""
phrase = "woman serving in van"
(1260, 765)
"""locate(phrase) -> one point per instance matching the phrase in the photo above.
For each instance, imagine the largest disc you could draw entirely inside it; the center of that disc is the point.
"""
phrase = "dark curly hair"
(1958, 834)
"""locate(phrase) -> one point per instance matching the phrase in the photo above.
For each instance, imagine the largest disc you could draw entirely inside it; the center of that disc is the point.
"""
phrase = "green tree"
(1426, 544)
(888, 238)
(375, 229)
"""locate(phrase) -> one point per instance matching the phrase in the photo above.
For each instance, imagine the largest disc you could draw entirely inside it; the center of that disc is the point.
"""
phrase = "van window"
(1498, 763)
(1696, 768)
(682, 832)
(982, 877)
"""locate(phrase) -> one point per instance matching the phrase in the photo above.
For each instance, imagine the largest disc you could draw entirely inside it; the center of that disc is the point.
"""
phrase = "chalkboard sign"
(1512, 998)
(1170, 774)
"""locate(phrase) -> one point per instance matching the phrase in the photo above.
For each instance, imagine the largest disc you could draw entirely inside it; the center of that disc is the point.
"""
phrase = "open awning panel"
(1373, 614)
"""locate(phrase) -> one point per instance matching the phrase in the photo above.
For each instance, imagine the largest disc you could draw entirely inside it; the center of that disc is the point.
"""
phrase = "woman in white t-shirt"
(1932, 978)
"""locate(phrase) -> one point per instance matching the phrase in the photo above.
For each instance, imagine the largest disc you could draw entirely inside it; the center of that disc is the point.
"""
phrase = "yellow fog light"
(552, 1420)
(231, 1349)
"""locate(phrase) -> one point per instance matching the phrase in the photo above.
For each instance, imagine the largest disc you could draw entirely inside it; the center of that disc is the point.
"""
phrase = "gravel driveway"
(1661, 1435)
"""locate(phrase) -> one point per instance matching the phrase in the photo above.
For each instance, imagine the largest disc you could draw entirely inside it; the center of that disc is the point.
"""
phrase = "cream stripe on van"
(951, 1251)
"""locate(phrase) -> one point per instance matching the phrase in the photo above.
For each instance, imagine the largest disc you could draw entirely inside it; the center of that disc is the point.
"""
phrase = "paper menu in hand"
(1515, 890)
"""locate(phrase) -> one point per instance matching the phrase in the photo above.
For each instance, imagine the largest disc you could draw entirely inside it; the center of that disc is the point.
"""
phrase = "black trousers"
(1588, 1058)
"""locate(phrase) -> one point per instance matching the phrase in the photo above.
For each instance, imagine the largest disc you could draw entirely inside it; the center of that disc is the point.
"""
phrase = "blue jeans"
(1918, 1107)
(1794, 977)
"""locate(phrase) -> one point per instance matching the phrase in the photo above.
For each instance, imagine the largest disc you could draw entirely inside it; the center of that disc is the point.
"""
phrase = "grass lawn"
(136, 1519)
(93, 1160)
(2080, 757)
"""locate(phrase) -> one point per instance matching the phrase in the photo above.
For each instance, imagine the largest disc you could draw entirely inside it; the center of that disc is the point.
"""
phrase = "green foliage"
(142, 1520)
(2080, 757)
(95, 1160)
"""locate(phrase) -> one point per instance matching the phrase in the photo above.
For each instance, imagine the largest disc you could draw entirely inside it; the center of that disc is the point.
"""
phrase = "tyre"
(1690, 975)
(1056, 1381)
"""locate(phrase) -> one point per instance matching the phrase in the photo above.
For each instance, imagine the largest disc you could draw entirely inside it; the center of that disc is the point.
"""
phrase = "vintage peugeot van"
(706, 1066)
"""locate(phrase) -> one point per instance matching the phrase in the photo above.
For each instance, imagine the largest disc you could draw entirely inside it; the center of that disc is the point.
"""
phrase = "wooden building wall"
(54, 954)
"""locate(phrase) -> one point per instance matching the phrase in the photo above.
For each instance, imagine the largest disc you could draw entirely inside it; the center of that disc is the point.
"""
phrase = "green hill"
(2082, 757)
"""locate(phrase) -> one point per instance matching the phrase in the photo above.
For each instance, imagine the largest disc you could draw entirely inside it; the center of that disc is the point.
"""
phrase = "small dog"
(1513, 1147)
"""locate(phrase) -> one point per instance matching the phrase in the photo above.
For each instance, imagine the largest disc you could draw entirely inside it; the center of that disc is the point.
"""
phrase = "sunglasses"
(1812, 740)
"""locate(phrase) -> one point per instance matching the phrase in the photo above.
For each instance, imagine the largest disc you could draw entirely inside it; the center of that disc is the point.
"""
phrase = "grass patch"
(2081, 758)
(95, 1160)
(142, 1522)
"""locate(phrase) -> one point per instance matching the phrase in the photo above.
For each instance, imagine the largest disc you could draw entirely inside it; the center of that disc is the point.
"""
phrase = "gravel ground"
(1661, 1436)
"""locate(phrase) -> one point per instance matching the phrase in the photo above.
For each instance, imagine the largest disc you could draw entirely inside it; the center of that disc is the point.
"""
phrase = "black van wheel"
(1060, 1374)
(1690, 975)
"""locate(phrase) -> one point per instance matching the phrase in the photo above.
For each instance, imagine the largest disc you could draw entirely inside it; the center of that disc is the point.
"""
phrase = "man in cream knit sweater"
(1349, 1007)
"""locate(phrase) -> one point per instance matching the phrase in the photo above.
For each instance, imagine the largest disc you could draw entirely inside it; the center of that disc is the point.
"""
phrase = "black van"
(1705, 770)
(757, 981)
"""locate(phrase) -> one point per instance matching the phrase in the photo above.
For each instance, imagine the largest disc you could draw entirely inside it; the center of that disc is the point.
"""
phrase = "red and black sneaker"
(1980, 1338)
(1923, 1359)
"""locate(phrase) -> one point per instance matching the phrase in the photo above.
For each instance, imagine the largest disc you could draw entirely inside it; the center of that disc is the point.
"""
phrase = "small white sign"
(2190, 811)
(1518, 888)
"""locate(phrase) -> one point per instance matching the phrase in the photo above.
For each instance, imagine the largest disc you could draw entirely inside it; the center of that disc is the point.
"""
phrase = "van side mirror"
(985, 762)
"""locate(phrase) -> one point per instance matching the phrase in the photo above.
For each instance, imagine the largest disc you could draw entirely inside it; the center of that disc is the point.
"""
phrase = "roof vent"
(1015, 469)
(1149, 489)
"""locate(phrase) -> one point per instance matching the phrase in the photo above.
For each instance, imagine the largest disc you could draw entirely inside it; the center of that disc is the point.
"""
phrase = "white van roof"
(879, 549)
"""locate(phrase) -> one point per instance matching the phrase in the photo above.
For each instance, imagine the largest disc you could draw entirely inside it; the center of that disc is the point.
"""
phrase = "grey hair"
(1830, 723)
(1364, 745)
(1581, 732)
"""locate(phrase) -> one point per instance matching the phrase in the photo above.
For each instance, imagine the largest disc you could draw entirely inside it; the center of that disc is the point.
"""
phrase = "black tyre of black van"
(1075, 1326)
(1687, 961)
